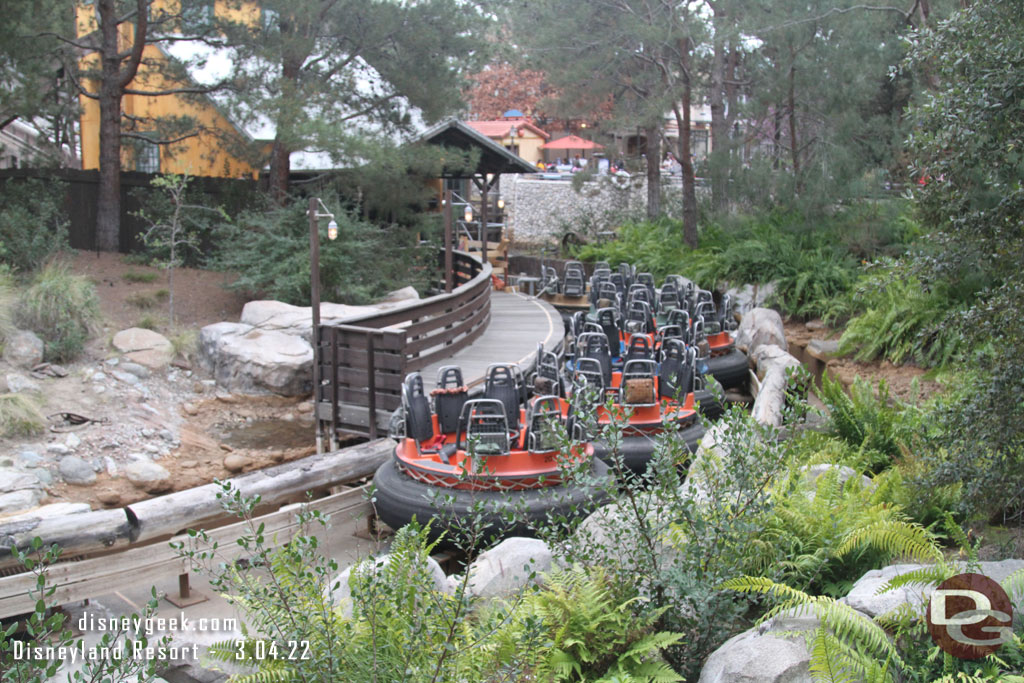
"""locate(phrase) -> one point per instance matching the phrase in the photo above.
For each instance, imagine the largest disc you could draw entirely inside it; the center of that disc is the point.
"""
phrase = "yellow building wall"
(207, 153)
(528, 143)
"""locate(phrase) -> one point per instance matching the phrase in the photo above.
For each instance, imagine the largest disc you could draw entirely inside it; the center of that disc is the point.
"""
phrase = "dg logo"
(970, 616)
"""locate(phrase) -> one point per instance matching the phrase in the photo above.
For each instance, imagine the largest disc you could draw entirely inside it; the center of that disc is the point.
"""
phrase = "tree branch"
(836, 10)
(141, 136)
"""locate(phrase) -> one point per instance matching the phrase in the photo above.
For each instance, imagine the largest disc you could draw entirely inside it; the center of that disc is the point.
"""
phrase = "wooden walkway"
(518, 323)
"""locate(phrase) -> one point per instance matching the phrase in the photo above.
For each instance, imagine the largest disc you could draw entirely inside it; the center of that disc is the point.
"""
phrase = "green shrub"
(62, 308)
(136, 277)
(33, 225)
(8, 304)
(20, 415)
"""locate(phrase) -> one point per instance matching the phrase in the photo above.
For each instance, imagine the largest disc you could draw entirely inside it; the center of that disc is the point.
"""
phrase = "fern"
(896, 538)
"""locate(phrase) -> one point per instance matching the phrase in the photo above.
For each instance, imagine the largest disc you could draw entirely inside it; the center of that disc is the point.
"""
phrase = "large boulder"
(509, 566)
(23, 349)
(810, 474)
(298, 320)
(145, 347)
(773, 362)
(865, 596)
(76, 471)
(761, 326)
(748, 297)
(247, 360)
(764, 654)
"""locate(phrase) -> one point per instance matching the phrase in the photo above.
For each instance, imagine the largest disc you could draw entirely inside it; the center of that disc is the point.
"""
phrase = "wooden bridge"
(362, 363)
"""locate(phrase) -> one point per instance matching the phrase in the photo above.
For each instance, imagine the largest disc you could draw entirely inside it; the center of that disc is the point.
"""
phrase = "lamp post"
(314, 214)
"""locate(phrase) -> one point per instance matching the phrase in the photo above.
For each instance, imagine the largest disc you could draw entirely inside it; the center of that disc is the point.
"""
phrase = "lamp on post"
(314, 213)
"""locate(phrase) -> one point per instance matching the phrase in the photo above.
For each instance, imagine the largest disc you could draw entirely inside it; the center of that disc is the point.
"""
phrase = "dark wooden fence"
(81, 188)
(363, 362)
(530, 265)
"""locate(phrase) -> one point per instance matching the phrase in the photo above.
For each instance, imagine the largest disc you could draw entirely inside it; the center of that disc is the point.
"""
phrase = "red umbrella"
(572, 142)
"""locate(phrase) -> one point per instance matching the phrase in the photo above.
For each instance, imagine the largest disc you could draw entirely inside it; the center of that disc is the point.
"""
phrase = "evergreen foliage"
(60, 307)
(33, 223)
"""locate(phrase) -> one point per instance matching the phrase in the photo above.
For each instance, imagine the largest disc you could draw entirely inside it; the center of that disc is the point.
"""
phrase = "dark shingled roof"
(493, 157)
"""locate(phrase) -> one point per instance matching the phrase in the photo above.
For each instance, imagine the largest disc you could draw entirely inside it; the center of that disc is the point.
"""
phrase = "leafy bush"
(62, 308)
(902, 321)
(269, 249)
(33, 225)
(8, 303)
(872, 424)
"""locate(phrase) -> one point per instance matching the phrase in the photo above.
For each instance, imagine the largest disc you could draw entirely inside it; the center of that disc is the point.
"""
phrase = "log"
(166, 515)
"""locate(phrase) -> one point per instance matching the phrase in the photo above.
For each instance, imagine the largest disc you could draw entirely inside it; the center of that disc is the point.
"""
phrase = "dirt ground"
(907, 382)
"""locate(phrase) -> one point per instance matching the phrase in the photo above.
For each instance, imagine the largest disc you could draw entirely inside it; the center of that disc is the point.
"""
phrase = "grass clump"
(147, 322)
(185, 343)
(20, 415)
(136, 277)
(8, 299)
(62, 308)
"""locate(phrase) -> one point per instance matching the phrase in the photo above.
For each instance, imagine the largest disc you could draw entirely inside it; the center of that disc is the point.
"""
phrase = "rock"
(72, 441)
(112, 361)
(748, 297)
(864, 595)
(340, 592)
(147, 433)
(764, 654)
(761, 326)
(166, 435)
(144, 347)
(711, 452)
(235, 463)
(811, 474)
(18, 384)
(298, 320)
(76, 471)
(111, 466)
(126, 377)
(190, 409)
(98, 377)
(815, 325)
(58, 448)
(140, 371)
(403, 294)
(148, 476)
(44, 476)
(244, 359)
(16, 480)
(188, 464)
(823, 349)
(49, 512)
(15, 501)
(110, 498)
(30, 459)
(773, 364)
(768, 356)
(508, 567)
(23, 349)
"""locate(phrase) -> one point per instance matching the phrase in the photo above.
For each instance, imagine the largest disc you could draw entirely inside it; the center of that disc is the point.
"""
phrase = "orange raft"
(496, 450)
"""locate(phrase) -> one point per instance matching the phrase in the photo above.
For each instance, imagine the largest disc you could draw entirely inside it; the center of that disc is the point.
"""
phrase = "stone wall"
(539, 211)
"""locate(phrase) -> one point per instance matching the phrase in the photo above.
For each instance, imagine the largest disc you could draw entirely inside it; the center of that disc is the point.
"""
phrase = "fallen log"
(142, 522)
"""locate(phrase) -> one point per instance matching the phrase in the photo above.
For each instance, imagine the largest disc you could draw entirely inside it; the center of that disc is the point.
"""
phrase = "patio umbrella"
(572, 142)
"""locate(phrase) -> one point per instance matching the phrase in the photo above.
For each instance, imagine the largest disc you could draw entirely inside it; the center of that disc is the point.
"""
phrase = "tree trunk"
(108, 201)
(653, 134)
(280, 169)
(280, 153)
(719, 158)
(791, 104)
(682, 113)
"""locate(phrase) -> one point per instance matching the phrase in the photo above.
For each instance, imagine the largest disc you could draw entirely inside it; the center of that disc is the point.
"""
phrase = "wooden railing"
(363, 362)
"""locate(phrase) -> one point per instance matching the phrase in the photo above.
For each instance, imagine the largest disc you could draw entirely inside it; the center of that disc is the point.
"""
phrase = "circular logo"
(970, 616)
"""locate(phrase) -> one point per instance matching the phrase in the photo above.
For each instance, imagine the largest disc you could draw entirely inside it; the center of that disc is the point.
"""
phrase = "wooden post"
(371, 384)
(483, 220)
(448, 241)
(314, 287)
(334, 389)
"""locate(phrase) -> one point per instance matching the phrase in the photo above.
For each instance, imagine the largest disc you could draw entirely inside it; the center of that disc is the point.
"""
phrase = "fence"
(362, 363)
(81, 189)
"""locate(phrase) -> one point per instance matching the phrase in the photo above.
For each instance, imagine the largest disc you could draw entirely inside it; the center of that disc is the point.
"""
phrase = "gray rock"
(823, 349)
(247, 360)
(12, 479)
(166, 435)
(764, 654)
(297, 321)
(507, 567)
(148, 476)
(23, 349)
(44, 476)
(16, 501)
(126, 377)
(72, 441)
(111, 466)
(30, 458)
(773, 363)
(748, 297)
(761, 326)
(112, 361)
(18, 384)
(865, 596)
(76, 471)
(140, 371)
(58, 448)
(144, 347)
(98, 377)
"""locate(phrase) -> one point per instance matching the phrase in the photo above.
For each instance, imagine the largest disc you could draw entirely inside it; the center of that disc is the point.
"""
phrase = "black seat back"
(501, 385)
(449, 397)
(626, 271)
(620, 282)
(647, 280)
(543, 412)
(639, 349)
(418, 423)
(673, 356)
(609, 324)
(595, 346)
(640, 312)
(588, 375)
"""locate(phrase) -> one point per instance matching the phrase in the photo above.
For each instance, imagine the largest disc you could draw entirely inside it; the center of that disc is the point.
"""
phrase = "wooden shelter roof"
(494, 158)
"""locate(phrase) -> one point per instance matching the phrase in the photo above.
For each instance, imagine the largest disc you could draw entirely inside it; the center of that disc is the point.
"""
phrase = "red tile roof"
(499, 128)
